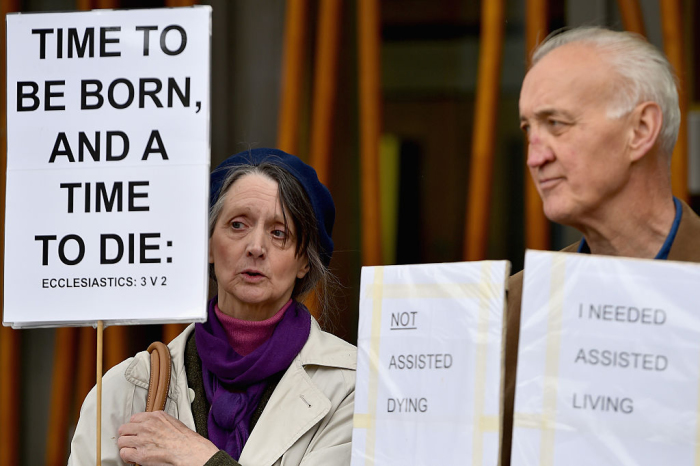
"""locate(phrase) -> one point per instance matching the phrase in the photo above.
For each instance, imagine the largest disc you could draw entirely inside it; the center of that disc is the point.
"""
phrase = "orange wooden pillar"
(62, 381)
(325, 85)
(295, 26)
(672, 27)
(174, 3)
(95, 4)
(115, 346)
(9, 339)
(537, 227)
(370, 128)
(9, 395)
(170, 331)
(484, 134)
(323, 103)
(632, 18)
(85, 375)
(536, 24)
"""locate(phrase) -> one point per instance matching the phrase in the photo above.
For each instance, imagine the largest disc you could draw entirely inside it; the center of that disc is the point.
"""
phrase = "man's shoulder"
(515, 281)
(686, 245)
(515, 284)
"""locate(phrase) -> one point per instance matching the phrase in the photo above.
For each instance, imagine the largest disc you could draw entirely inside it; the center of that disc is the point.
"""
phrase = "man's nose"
(538, 151)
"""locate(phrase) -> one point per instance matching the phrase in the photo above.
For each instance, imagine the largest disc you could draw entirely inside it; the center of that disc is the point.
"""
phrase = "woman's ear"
(646, 123)
(211, 256)
(303, 270)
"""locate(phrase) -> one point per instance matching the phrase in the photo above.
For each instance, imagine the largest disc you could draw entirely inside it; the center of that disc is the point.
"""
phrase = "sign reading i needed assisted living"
(107, 167)
(429, 364)
(609, 362)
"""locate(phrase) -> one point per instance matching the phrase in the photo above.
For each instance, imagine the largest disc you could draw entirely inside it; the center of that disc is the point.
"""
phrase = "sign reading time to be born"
(429, 364)
(608, 363)
(107, 166)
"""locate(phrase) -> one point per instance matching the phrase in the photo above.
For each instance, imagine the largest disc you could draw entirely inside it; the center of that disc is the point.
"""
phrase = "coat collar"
(321, 349)
(139, 370)
(324, 349)
(686, 246)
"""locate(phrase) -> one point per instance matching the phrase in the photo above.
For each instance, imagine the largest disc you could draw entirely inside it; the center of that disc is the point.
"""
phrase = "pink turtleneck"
(245, 336)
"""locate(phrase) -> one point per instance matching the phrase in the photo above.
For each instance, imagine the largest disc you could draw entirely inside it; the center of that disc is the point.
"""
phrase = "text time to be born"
(108, 164)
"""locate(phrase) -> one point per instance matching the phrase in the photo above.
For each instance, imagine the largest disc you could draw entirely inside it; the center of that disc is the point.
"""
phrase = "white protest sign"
(107, 167)
(429, 364)
(608, 363)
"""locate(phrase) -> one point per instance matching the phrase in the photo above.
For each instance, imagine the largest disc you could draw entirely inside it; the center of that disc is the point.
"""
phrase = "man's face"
(577, 156)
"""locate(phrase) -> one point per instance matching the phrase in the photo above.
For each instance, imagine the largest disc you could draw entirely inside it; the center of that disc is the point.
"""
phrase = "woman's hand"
(159, 439)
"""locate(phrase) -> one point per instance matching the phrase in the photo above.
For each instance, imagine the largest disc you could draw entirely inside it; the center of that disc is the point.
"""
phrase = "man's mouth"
(547, 183)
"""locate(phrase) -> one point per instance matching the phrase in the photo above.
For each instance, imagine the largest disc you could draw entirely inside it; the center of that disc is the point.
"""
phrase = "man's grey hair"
(646, 75)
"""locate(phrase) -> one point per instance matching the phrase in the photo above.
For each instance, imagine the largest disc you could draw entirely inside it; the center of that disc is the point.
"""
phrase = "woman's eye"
(236, 225)
(281, 234)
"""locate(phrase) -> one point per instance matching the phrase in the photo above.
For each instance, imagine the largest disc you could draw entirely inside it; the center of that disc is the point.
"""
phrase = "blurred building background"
(399, 110)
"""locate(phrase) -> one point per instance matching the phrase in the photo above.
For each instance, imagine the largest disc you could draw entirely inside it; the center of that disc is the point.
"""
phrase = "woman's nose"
(256, 243)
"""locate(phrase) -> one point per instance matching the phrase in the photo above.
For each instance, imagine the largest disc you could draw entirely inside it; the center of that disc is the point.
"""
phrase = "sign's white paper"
(107, 167)
(608, 363)
(429, 364)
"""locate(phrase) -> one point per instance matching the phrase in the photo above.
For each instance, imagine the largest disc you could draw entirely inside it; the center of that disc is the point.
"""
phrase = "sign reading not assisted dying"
(107, 167)
(608, 363)
(429, 364)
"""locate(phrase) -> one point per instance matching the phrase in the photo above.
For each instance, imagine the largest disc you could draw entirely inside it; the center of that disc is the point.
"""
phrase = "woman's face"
(255, 269)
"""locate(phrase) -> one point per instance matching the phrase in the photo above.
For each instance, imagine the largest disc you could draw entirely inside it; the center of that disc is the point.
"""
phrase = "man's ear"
(646, 121)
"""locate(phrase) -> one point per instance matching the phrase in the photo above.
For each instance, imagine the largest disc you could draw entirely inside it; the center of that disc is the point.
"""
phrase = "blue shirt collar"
(665, 249)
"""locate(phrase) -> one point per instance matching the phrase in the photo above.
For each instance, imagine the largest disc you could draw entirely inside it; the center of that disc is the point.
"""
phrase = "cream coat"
(289, 431)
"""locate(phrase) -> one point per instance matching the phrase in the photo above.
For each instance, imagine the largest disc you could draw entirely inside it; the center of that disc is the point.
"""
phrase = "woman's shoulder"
(137, 370)
(325, 349)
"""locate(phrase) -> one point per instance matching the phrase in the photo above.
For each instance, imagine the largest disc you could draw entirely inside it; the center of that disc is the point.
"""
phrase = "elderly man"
(600, 112)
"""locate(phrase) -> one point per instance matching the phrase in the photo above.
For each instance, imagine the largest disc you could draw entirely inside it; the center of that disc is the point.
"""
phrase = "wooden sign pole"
(100, 331)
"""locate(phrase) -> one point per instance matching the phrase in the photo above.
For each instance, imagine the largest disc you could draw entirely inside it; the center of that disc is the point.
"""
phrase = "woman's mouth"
(252, 276)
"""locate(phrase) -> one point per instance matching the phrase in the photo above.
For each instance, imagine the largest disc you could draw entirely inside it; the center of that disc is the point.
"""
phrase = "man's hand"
(157, 438)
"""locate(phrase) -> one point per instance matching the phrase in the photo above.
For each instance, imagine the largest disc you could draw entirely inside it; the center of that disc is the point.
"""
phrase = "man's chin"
(558, 213)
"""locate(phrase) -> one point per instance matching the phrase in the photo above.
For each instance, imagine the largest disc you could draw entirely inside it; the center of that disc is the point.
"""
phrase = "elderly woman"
(259, 383)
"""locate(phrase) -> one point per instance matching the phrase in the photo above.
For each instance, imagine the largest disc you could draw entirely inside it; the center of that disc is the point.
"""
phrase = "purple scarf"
(235, 383)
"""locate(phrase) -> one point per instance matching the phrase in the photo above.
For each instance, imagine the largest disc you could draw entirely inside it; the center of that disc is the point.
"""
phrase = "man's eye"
(554, 123)
(525, 128)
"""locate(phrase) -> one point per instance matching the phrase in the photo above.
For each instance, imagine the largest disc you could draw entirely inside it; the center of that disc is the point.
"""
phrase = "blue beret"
(318, 194)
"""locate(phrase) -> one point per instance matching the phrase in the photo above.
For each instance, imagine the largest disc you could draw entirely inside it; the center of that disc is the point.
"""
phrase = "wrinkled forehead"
(253, 186)
(573, 74)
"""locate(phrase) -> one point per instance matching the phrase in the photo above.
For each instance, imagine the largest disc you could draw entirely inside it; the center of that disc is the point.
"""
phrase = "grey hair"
(646, 74)
(297, 207)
